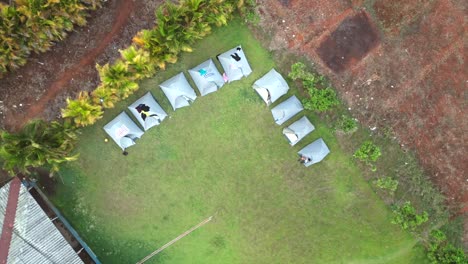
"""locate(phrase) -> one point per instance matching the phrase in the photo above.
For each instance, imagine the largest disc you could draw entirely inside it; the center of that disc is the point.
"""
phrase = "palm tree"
(38, 144)
(138, 62)
(82, 111)
(118, 79)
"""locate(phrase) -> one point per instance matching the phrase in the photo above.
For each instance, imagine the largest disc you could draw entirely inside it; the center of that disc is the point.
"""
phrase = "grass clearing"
(224, 156)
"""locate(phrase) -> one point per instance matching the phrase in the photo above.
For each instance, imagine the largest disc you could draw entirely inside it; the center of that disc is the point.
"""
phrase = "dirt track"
(39, 89)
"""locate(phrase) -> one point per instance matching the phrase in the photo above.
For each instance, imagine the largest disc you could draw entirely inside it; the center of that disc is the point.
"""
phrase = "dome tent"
(178, 91)
(287, 109)
(271, 86)
(298, 130)
(123, 131)
(235, 64)
(315, 152)
(207, 77)
(147, 111)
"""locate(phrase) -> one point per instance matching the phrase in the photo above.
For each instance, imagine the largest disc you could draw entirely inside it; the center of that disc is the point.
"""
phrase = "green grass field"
(225, 156)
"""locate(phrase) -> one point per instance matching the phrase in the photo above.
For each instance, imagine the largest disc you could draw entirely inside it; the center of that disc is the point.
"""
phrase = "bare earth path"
(39, 89)
(125, 8)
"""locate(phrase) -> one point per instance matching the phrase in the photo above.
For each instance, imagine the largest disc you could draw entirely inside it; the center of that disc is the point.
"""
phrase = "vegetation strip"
(34, 26)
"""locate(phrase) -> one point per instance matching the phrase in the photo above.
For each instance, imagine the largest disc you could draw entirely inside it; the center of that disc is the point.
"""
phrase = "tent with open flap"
(287, 109)
(235, 64)
(178, 91)
(314, 152)
(147, 111)
(123, 131)
(298, 130)
(271, 86)
(206, 77)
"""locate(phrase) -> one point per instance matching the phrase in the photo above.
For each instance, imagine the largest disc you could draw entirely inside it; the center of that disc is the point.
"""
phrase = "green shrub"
(387, 183)
(441, 252)
(309, 80)
(321, 99)
(37, 144)
(346, 124)
(368, 153)
(34, 26)
(407, 218)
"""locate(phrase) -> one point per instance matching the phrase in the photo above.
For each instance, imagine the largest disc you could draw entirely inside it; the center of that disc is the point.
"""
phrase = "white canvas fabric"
(147, 111)
(315, 151)
(235, 64)
(178, 91)
(271, 86)
(300, 129)
(123, 131)
(206, 77)
(287, 109)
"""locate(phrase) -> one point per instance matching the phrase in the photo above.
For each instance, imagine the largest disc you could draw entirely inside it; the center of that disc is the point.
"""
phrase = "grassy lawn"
(224, 156)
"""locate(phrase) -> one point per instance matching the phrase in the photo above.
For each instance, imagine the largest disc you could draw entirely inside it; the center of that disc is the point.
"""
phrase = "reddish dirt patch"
(396, 14)
(349, 43)
(126, 7)
(414, 81)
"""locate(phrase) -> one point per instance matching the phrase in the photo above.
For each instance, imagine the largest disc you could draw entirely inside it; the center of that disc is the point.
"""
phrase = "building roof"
(28, 235)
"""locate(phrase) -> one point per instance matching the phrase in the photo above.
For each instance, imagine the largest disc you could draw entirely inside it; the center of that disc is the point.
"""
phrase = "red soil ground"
(39, 89)
(397, 64)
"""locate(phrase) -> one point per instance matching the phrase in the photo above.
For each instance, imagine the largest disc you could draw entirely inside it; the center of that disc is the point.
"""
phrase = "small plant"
(309, 80)
(407, 218)
(368, 153)
(37, 144)
(82, 111)
(346, 124)
(387, 183)
(441, 252)
(321, 99)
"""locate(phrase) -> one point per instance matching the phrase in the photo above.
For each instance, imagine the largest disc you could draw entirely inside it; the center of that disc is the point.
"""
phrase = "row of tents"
(179, 93)
(271, 87)
(208, 79)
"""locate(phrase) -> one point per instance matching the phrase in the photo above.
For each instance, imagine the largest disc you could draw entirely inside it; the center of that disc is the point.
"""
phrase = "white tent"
(298, 130)
(207, 77)
(147, 111)
(235, 64)
(178, 91)
(287, 109)
(123, 131)
(271, 86)
(314, 152)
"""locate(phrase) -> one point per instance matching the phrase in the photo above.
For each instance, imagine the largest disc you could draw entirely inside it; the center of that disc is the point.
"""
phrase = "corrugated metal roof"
(35, 238)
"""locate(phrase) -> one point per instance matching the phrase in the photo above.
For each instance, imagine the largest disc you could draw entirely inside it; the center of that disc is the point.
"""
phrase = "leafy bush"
(37, 144)
(309, 80)
(368, 153)
(407, 218)
(346, 124)
(33, 26)
(82, 111)
(441, 252)
(387, 183)
(321, 99)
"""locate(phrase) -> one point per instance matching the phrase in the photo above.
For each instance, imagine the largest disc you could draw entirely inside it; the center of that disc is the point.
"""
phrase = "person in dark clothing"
(236, 57)
(303, 159)
(144, 111)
